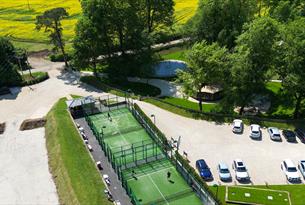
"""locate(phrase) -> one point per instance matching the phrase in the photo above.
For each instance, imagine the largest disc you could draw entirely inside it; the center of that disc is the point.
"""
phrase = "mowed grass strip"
(77, 180)
(258, 196)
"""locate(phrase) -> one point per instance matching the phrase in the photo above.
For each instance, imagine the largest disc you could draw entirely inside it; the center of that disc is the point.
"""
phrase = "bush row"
(59, 57)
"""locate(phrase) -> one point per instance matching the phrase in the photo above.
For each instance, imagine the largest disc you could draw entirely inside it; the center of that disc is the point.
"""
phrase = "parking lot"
(216, 143)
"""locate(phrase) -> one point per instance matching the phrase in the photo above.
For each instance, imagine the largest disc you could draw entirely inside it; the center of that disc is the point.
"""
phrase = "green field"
(17, 19)
(77, 180)
(257, 196)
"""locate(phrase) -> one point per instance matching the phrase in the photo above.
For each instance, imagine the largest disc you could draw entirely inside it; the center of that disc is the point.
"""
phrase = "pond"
(168, 68)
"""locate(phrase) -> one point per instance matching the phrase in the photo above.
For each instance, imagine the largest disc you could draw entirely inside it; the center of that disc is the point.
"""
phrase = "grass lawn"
(111, 87)
(296, 193)
(175, 53)
(76, 177)
(282, 105)
(190, 105)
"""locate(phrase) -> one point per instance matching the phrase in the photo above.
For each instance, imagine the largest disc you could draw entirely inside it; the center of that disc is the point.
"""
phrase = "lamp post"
(153, 116)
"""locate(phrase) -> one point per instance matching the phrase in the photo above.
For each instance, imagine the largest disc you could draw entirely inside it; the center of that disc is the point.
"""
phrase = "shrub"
(59, 57)
(36, 77)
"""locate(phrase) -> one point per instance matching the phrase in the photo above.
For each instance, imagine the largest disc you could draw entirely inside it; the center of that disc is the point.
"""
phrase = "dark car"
(289, 135)
(300, 134)
(204, 170)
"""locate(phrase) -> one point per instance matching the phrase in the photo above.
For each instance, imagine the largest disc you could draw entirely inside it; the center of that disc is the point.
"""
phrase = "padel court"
(147, 174)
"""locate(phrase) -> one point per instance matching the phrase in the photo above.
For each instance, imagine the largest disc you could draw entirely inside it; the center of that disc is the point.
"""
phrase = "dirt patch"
(2, 128)
(32, 124)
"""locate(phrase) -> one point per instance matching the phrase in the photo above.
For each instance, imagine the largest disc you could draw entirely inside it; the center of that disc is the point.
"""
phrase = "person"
(168, 175)
(109, 117)
(133, 174)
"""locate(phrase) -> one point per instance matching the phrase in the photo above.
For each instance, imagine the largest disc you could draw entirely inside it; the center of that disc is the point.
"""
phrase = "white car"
(274, 133)
(302, 167)
(238, 126)
(290, 171)
(224, 172)
(255, 131)
(241, 173)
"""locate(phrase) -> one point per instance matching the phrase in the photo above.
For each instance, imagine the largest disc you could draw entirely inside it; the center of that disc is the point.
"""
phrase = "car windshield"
(254, 131)
(241, 169)
(224, 171)
(276, 135)
(292, 169)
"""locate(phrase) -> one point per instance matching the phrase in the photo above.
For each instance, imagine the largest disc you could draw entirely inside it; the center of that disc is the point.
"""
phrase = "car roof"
(223, 165)
(202, 162)
(289, 163)
(239, 162)
(255, 127)
(275, 130)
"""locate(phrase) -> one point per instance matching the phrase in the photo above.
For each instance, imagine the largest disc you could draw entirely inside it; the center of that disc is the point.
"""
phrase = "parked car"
(300, 134)
(289, 135)
(238, 126)
(302, 167)
(224, 172)
(241, 173)
(290, 171)
(204, 169)
(274, 133)
(255, 131)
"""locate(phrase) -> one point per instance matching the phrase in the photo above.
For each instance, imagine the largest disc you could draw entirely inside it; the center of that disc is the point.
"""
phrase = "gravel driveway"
(216, 142)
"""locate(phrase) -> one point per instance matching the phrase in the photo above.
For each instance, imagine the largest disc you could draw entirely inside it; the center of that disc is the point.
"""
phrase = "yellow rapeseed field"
(17, 17)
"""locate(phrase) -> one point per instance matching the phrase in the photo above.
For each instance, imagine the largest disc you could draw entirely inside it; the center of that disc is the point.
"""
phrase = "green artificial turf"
(258, 196)
(296, 192)
(151, 186)
(77, 180)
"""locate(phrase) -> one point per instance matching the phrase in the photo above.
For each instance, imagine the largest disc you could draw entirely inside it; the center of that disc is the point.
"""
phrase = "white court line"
(157, 189)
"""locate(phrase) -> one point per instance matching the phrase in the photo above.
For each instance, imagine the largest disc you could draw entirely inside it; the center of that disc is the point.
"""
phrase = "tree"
(9, 75)
(158, 13)
(221, 20)
(87, 44)
(292, 61)
(207, 64)
(51, 22)
(251, 60)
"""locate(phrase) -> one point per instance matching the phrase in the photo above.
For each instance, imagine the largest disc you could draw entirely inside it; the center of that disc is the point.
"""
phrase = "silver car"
(224, 172)
(274, 133)
(238, 126)
(255, 131)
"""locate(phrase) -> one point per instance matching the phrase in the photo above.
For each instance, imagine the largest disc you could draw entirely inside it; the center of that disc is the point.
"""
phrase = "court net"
(117, 132)
(170, 198)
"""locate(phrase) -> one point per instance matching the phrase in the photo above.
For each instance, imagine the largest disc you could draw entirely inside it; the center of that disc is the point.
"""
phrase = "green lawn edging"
(77, 179)
(220, 117)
